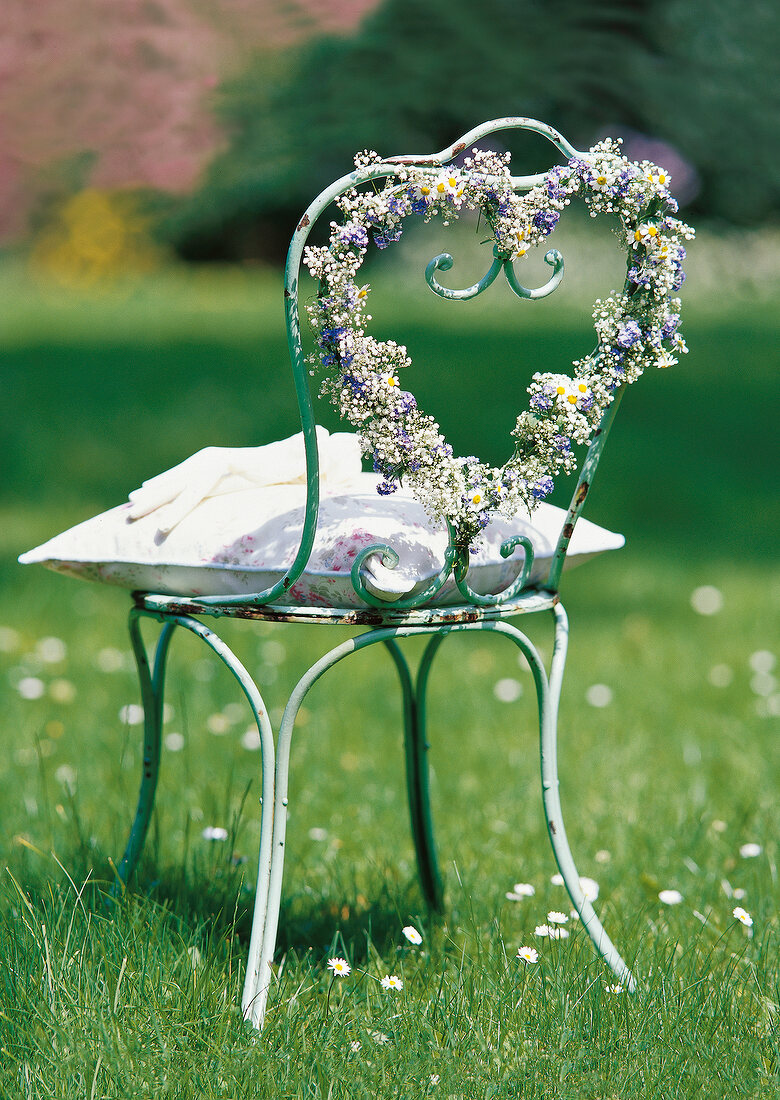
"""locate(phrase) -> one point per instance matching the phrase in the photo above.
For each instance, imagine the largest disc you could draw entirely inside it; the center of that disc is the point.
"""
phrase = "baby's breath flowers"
(340, 968)
(636, 328)
(392, 981)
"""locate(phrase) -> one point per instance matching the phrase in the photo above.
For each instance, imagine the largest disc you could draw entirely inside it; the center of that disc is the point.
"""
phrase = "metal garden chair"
(637, 328)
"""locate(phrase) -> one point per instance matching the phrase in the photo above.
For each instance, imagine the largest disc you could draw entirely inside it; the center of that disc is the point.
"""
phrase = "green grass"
(138, 996)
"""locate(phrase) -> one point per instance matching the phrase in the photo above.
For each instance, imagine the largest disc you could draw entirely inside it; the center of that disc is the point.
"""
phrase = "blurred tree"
(414, 76)
(411, 79)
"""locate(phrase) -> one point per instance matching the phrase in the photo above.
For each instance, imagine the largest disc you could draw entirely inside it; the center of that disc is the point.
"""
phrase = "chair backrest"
(635, 327)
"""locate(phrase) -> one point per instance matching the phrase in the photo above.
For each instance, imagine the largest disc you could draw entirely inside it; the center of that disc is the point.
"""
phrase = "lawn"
(669, 760)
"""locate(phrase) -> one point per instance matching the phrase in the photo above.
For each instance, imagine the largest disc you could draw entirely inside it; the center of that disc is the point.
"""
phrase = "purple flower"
(562, 443)
(419, 206)
(386, 488)
(638, 277)
(352, 233)
(543, 487)
(542, 402)
(629, 333)
(671, 321)
(546, 220)
(331, 335)
(385, 236)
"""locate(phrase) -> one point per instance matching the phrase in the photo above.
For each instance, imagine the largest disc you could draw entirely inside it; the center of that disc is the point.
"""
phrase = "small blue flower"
(629, 333)
(543, 487)
(386, 488)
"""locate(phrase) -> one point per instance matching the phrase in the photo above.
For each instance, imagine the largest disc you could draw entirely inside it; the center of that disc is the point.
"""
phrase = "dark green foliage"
(416, 76)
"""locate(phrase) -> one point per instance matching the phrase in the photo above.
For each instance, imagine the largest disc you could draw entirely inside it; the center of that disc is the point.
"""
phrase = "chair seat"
(242, 542)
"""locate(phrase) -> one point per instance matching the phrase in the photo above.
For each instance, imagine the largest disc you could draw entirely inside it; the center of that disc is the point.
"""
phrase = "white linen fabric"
(228, 522)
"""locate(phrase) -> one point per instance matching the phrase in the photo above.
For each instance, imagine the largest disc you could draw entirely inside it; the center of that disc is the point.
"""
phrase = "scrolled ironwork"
(508, 593)
(390, 559)
(443, 262)
(555, 260)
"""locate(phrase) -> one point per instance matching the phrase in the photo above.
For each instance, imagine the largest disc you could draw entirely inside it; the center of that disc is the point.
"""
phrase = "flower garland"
(636, 328)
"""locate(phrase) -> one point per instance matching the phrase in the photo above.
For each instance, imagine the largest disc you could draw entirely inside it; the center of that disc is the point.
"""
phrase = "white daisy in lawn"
(750, 851)
(340, 967)
(559, 933)
(520, 890)
(589, 887)
(554, 917)
(529, 955)
(542, 930)
(616, 988)
(392, 981)
(355, 1045)
(412, 935)
(214, 832)
(670, 897)
(743, 916)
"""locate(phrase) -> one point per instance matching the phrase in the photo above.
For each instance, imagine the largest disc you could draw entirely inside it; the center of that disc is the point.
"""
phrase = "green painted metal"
(416, 747)
(152, 698)
(454, 559)
(385, 623)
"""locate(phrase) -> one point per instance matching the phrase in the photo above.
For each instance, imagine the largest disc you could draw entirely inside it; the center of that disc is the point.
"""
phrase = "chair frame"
(385, 623)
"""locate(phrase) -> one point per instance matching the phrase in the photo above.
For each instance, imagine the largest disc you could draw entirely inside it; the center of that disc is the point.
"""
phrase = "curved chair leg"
(548, 720)
(152, 693)
(416, 747)
(152, 688)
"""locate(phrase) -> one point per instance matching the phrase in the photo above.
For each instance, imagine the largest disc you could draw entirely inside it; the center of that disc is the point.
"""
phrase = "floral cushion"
(242, 540)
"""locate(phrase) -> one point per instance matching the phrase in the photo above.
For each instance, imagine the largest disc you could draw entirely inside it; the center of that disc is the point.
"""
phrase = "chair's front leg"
(152, 688)
(548, 720)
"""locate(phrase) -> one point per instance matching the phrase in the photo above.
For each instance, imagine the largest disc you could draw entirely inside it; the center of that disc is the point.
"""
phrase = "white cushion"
(241, 541)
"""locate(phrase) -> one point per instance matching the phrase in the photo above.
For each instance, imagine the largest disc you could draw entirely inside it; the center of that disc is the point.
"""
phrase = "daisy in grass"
(616, 988)
(558, 933)
(340, 967)
(529, 955)
(557, 918)
(743, 916)
(392, 981)
(412, 935)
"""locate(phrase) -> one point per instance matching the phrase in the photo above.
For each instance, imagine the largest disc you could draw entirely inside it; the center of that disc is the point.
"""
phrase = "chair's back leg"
(152, 689)
(416, 748)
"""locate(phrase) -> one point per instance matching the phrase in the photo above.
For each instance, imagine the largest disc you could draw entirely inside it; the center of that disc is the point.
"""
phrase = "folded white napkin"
(217, 470)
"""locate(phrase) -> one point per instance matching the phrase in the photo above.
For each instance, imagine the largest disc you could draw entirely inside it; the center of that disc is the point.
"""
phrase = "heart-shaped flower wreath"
(636, 328)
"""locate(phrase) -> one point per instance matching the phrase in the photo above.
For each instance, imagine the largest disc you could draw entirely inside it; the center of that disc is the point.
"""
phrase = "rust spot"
(458, 148)
(553, 830)
(287, 293)
(582, 492)
(568, 530)
(303, 222)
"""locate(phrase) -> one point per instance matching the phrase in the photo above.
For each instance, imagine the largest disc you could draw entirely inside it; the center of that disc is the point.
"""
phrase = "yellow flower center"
(601, 181)
(638, 235)
(560, 389)
(453, 182)
(476, 498)
(582, 387)
(661, 178)
(441, 188)
(425, 190)
(652, 231)
(572, 399)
